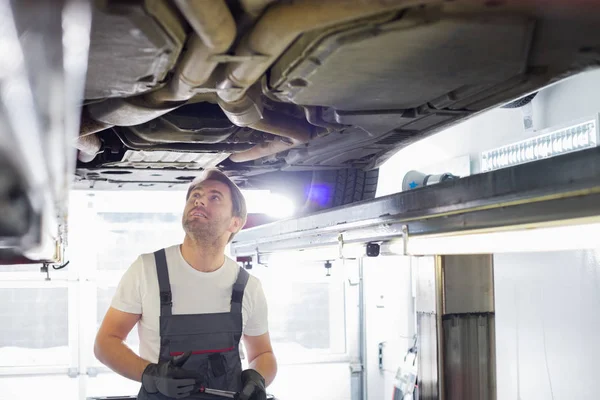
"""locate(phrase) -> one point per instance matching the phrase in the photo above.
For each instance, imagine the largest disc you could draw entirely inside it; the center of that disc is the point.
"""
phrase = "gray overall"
(213, 338)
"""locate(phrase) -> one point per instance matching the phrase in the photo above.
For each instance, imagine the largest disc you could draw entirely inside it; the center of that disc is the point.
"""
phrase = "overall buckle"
(166, 298)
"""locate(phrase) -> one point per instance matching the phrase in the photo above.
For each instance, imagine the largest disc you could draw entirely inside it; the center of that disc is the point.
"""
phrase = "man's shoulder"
(146, 261)
(253, 285)
(253, 282)
(170, 253)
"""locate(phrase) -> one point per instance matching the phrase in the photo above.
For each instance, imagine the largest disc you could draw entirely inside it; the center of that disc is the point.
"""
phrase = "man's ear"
(236, 225)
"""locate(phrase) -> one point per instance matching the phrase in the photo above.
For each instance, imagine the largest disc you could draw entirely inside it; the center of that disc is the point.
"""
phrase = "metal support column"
(430, 378)
(363, 329)
(468, 327)
(455, 323)
(357, 330)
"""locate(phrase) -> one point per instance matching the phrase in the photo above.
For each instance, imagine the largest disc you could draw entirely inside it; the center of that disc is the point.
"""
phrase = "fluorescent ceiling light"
(557, 141)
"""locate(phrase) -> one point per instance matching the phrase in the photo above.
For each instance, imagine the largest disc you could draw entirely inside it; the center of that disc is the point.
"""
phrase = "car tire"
(313, 191)
(336, 188)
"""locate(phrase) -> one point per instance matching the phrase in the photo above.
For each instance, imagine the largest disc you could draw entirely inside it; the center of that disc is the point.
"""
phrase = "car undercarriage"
(282, 95)
(261, 86)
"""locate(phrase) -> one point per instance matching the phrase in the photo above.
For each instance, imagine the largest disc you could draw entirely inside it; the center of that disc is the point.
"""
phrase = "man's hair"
(237, 198)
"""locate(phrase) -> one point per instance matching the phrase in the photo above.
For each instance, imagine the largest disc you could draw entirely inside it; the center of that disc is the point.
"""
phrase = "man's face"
(208, 212)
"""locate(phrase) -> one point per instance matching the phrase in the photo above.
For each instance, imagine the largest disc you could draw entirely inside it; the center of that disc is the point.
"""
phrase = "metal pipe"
(215, 33)
(261, 150)
(87, 142)
(194, 69)
(212, 21)
(281, 25)
(294, 131)
(255, 7)
(314, 115)
(299, 131)
(88, 146)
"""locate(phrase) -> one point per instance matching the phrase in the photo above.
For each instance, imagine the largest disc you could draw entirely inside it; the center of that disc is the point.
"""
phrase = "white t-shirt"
(193, 292)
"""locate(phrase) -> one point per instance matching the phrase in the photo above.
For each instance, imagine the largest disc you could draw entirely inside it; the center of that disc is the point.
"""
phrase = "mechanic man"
(193, 305)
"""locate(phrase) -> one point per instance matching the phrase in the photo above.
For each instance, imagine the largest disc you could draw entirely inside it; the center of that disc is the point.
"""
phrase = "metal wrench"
(222, 393)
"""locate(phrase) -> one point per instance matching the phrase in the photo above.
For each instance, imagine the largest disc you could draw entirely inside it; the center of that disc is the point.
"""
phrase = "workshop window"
(36, 332)
(306, 310)
(307, 325)
(127, 235)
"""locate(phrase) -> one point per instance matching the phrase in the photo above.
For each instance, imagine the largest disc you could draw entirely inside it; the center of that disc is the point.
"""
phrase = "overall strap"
(237, 295)
(164, 286)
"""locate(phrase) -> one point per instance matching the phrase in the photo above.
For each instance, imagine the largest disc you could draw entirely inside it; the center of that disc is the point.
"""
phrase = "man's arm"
(110, 347)
(261, 356)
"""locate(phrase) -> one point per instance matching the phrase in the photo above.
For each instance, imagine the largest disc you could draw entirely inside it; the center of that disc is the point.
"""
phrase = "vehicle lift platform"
(454, 224)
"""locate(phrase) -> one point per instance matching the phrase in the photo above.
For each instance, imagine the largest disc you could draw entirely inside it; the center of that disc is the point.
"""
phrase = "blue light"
(320, 194)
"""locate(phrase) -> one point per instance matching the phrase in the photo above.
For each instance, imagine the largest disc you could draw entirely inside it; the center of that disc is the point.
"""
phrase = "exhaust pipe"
(215, 33)
(291, 132)
(88, 146)
(88, 142)
(255, 7)
(249, 112)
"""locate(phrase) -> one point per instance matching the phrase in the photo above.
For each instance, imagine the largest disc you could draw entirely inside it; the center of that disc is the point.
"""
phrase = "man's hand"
(169, 378)
(253, 386)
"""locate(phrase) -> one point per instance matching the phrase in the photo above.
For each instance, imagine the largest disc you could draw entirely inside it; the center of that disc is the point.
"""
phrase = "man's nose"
(199, 200)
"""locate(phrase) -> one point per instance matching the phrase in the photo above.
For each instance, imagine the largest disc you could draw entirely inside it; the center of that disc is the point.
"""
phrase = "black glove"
(168, 378)
(253, 386)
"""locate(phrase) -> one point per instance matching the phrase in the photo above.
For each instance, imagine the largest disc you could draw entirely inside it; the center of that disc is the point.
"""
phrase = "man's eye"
(215, 197)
